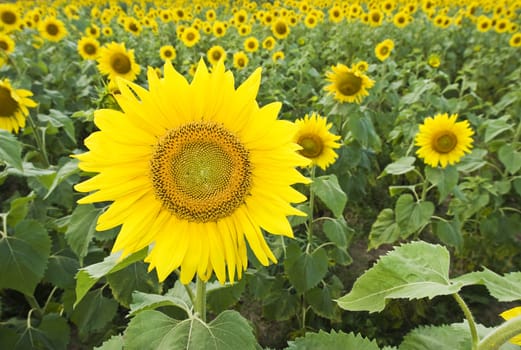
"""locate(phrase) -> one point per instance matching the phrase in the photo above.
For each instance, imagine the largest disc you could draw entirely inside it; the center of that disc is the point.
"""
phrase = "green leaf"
(473, 161)
(19, 209)
(93, 313)
(329, 191)
(10, 150)
(419, 89)
(400, 166)
(503, 288)
(384, 230)
(338, 232)
(279, 303)
(61, 271)
(305, 270)
(333, 340)
(412, 215)
(510, 158)
(363, 130)
(66, 170)
(58, 119)
(154, 330)
(52, 333)
(495, 127)
(444, 179)
(24, 257)
(436, 337)
(176, 297)
(114, 343)
(414, 270)
(448, 232)
(81, 229)
(321, 302)
(134, 277)
(89, 275)
(221, 297)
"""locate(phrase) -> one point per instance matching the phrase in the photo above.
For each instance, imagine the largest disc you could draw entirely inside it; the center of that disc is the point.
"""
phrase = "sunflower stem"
(200, 298)
(470, 320)
(311, 210)
(40, 143)
(501, 334)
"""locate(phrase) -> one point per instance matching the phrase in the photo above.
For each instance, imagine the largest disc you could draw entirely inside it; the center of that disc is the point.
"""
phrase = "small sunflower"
(9, 17)
(88, 48)
(401, 19)
(434, 60)
(13, 106)
(317, 142)
(336, 14)
(484, 24)
(269, 43)
(133, 26)
(375, 18)
(52, 29)
(277, 56)
(515, 40)
(280, 28)
(115, 60)
(195, 171)
(361, 66)
(244, 29)
(383, 49)
(190, 36)
(512, 313)
(442, 140)
(218, 29)
(310, 21)
(7, 44)
(215, 54)
(93, 31)
(240, 60)
(251, 44)
(167, 53)
(348, 85)
(107, 31)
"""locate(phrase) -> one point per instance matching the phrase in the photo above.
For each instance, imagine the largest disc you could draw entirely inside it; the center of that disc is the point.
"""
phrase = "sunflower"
(375, 18)
(515, 40)
(361, 66)
(383, 49)
(115, 60)
(88, 48)
(251, 44)
(317, 142)
(310, 21)
(133, 26)
(210, 15)
(7, 44)
(277, 56)
(190, 36)
(434, 60)
(401, 19)
(93, 31)
(443, 140)
(13, 106)
(280, 29)
(484, 24)
(336, 14)
(512, 313)
(240, 16)
(52, 29)
(269, 43)
(240, 60)
(167, 53)
(194, 171)
(218, 29)
(215, 54)
(9, 18)
(244, 29)
(348, 85)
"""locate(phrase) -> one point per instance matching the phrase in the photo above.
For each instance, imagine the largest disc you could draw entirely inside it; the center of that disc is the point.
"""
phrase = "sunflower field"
(287, 174)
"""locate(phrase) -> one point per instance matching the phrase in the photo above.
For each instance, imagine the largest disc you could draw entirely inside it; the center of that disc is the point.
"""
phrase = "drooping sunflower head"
(88, 48)
(52, 29)
(115, 60)
(13, 106)
(442, 140)
(317, 142)
(215, 54)
(383, 49)
(240, 60)
(9, 17)
(347, 84)
(280, 28)
(167, 53)
(194, 171)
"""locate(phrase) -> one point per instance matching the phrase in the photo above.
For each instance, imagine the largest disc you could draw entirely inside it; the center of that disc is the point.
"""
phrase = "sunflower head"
(9, 17)
(317, 142)
(195, 171)
(13, 106)
(515, 40)
(251, 44)
(7, 44)
(434, 60)
(277, 56)
(240, 60)
(52, 29)
(513, 313)
(88, 48)
(383, 49)
(167, 53)
(269, 43)
(443, 141)
(115, 60)
(190, 36)
(280, 28)
(347, 84)
(215, 54)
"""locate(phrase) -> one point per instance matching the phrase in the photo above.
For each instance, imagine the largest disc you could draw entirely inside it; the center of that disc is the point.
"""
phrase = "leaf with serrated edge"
(437, 337)
(333, 340)
(503, 288)
(412, 271)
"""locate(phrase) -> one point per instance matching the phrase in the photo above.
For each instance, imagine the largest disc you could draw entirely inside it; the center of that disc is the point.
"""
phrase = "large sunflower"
(348, 85)
(52, 29)
(442, 140)
(194, 170)
(13, 106)
(115, 60)
(317, 142)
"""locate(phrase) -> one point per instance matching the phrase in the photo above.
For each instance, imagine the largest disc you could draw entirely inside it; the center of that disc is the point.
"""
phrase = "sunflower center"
(201, 171)
(240, 62)
(190, 36)
(281, 28)
(52, 29)
(384, 50)
(8, 105)
(349, 84)
(3, 45)
(8, 17)
(445, 142)
(311, 146)
(90, 49)
(120, 63)
(216, 55)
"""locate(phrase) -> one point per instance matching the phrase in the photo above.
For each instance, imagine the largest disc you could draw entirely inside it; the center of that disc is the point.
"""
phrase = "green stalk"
(501, 334)
(470, 320)
(311, 210)
(200, 298)
(40, 141)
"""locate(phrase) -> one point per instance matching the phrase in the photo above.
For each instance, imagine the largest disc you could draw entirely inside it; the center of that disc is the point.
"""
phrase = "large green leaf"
(333, 340)
(384, 229)
(338, 232)
(89, 275)
(154, 330)
(69, 168)
(176, 297)
(51, 334)
(445, 179)
(81, 229)
(503, 288)
(400, 166)
(93, 313)
(19, 209)
(24, 257)
(10, 150)
(222, 297)
(412, 215)
(330, 193)
(61, 271)
(497, 126)
(114, 343)
(510, 158)
(305, 270)
(448, 232)
(434, 338)
(412, 271)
